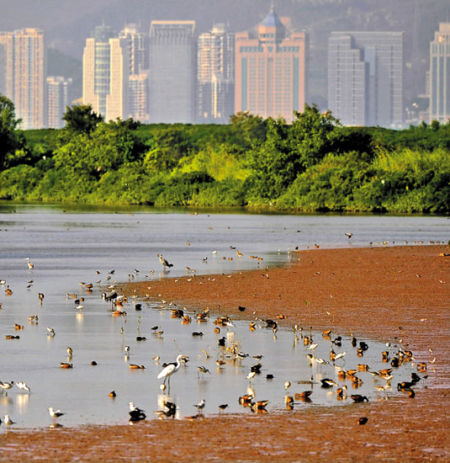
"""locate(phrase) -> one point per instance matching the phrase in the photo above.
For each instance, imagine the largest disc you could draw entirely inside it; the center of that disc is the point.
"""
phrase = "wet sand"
(396, 294)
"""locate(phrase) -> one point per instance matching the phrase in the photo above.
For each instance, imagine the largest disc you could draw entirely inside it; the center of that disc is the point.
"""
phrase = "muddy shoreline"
(388, 293)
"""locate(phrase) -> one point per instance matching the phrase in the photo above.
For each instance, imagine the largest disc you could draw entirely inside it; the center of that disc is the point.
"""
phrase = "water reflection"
(104, 248)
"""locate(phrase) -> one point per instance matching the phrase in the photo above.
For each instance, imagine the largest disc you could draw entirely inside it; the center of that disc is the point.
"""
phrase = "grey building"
(215, 75)
(440, 74)
(172, 75)
(59, 95)
(365, 78)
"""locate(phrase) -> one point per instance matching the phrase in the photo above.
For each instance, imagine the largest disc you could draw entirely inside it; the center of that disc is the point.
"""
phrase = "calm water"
(67, 248)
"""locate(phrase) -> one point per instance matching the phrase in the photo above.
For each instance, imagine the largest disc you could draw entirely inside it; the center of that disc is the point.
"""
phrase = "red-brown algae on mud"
(388, 294)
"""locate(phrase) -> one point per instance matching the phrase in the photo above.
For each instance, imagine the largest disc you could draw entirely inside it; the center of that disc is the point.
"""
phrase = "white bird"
(55, 413)
(200, 406)
(23, 386)
(312, 346)
(8, 420)
(170, 369)
(251, 375)
(340, 355)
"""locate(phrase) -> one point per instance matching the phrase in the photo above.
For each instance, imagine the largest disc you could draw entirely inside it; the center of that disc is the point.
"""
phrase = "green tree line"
(311, 165)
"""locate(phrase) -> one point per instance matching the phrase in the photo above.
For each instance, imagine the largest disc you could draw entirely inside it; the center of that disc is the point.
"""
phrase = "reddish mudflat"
(386, 294)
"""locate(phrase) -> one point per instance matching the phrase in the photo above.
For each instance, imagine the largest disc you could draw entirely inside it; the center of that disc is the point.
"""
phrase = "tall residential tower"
(365, 78)
(215, 75)
(172, 71)
(440, 74)
(22, 74)
(270, 74)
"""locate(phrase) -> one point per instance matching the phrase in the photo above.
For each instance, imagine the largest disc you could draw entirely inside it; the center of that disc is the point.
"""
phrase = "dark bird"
(136, 414)
(327, 383)
(363, 420)
(359, 398)
(223, 406)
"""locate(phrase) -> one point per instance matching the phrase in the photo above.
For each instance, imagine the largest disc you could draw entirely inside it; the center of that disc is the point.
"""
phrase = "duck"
(303, 396)
(359, 398)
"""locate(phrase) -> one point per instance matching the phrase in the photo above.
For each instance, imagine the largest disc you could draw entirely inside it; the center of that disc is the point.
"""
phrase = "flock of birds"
(330, 374)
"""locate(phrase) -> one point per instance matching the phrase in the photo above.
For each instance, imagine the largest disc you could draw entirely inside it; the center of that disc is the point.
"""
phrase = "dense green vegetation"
(311, 165)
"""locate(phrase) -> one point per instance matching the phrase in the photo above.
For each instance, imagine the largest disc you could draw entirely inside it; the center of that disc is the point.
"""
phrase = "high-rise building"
(59, 95)
(270, 74)
(365, 78)
(105, 74)
(440, 74)
(172, 75)
(137, 43)
(215, 75)
(117, 98)
(138, 97)
(7, 64)
(28, 77)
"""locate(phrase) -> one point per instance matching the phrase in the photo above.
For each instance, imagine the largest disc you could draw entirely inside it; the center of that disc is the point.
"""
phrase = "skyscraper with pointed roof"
(270, 73)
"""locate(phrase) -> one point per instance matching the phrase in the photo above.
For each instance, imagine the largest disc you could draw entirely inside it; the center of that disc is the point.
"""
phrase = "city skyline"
(209, 95)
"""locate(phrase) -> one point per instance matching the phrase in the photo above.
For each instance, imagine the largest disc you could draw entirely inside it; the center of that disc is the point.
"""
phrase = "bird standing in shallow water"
(170, 369)
(55, 414)
(200, 406)
(164, 262)
(23, 386)
(136, 414)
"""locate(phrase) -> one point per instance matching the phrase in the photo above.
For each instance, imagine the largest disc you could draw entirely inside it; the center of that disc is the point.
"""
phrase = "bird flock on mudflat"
(332, 373)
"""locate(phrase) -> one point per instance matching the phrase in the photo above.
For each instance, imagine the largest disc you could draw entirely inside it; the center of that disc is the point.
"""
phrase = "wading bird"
(170, 369)
(164, 262)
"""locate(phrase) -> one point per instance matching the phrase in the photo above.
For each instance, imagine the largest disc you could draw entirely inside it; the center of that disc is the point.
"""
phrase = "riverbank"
(389, 294)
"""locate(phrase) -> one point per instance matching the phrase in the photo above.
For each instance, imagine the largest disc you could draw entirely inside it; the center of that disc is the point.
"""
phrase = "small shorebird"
(55, 413)
(23, 386)
(8, 421)
(164, 262)
(6, 386)
(50, 332)
(200, 406)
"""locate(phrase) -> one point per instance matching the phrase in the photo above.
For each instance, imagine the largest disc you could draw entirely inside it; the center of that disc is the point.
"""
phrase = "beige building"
(117, 98)
(440, 74)
(270, 74)
(22, 74)
(105, 74)
(6, 64)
